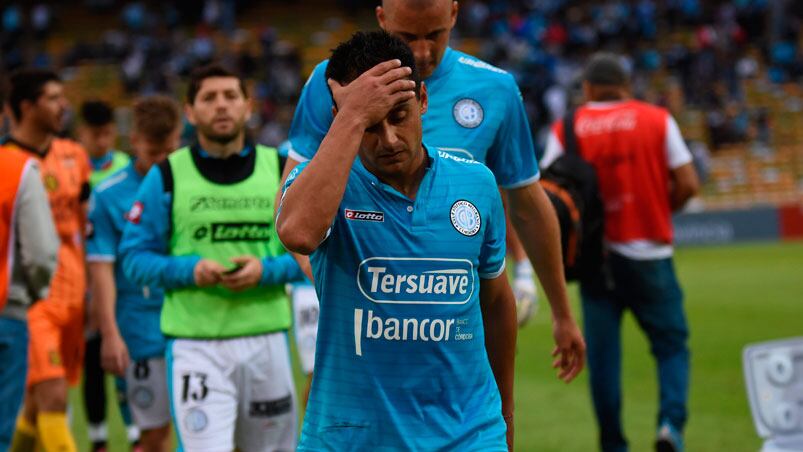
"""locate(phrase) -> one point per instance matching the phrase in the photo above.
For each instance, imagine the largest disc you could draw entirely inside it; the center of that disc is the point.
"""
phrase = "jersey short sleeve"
(312, 117)
(677, 153)
(289, 182)
(101, 245)
(513, 159)
(492, 253)
(292, 178)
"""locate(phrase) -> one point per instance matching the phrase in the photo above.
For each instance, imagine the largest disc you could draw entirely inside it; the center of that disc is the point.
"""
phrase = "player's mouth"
(390, 155)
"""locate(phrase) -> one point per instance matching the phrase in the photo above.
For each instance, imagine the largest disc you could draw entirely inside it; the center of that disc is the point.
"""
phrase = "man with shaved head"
(475, 111)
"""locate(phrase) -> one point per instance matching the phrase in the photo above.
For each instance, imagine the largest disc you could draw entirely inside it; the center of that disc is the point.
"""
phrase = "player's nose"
(387, 135)
(422, 50)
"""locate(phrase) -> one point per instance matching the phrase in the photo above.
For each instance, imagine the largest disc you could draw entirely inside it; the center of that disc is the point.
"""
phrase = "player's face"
(426, 31)
(391, 148)
(98, 140)
(48, 110)
(220, 109)
(151, 152)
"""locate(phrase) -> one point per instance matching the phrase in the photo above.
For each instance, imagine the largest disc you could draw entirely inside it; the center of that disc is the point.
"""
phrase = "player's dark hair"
(96, 113)
(605, 69)
(202, 73)
(365, 50)
(27, 84)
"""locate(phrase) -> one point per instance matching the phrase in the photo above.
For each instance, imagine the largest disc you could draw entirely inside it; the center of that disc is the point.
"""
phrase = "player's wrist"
(110, 333)
(354, 118)
(560, 317)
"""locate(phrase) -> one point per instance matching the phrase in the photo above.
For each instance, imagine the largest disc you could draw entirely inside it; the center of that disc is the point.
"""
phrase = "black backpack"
(571, 185)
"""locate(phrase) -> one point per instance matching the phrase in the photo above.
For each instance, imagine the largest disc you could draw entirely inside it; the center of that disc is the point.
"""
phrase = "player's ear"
(453, 19)
(423, 99)
(249, 107)
(134, 138)
(189, 113)
(380, 16)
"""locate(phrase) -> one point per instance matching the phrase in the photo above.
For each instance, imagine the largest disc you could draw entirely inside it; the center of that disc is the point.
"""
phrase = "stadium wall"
(750, 225)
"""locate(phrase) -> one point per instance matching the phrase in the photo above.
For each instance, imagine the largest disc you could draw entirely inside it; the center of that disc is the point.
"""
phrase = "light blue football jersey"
(401, 361)
(137, 307)
(475, 111)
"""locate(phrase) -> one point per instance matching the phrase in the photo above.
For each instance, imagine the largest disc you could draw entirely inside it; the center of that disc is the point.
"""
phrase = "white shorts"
(305, 327)
(233, 393)
(146, 391)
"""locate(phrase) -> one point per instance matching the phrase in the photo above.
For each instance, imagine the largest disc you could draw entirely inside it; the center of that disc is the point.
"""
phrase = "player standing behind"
(97, 134)
(475, 111)
(28, 249)
(201, 228)
(132, 345)
(407, 245)
(645, 172)
(37, 102)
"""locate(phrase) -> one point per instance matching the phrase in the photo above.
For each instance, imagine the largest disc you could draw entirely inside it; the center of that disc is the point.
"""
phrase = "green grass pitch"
(735, 295)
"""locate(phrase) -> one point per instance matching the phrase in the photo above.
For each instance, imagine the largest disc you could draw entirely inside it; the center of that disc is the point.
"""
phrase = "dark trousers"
(13, 370)
(649, 288)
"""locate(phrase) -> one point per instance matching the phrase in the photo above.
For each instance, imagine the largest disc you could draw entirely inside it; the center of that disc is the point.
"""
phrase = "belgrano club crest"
(465, 218)
(468, 113)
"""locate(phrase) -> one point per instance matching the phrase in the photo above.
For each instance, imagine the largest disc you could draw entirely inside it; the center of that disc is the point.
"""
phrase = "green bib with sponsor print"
(221, 221)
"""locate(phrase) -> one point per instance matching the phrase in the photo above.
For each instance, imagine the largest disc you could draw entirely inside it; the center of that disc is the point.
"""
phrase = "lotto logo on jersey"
(364, 215)
(234, 232)
(411, 280)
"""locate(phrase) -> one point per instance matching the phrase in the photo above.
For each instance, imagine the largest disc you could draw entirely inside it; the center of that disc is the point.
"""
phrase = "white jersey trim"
(293, 154)
(493, 275)
(101, 258)
(526, 182)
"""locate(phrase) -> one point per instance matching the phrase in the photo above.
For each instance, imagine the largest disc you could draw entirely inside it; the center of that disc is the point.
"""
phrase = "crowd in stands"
(154, 46)
(704, 50)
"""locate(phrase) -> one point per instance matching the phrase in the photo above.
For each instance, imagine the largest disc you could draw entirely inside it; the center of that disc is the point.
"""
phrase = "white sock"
(98, 432)
(133, 433)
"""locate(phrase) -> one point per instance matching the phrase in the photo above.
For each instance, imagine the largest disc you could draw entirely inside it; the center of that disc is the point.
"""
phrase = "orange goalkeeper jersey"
(65, 174)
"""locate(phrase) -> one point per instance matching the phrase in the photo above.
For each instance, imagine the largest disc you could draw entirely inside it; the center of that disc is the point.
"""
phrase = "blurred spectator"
(41, 20)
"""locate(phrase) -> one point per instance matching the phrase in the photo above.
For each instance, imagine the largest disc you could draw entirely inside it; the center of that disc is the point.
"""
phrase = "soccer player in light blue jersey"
(132, 344)
(417, 329)
(475, 111)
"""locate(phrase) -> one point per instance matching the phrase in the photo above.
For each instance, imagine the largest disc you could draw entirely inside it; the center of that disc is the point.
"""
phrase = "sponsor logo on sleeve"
(364, 215)
(135, 213)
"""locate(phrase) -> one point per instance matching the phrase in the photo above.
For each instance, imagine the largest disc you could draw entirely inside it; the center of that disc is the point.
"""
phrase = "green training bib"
(221, 221)
(119, 161)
